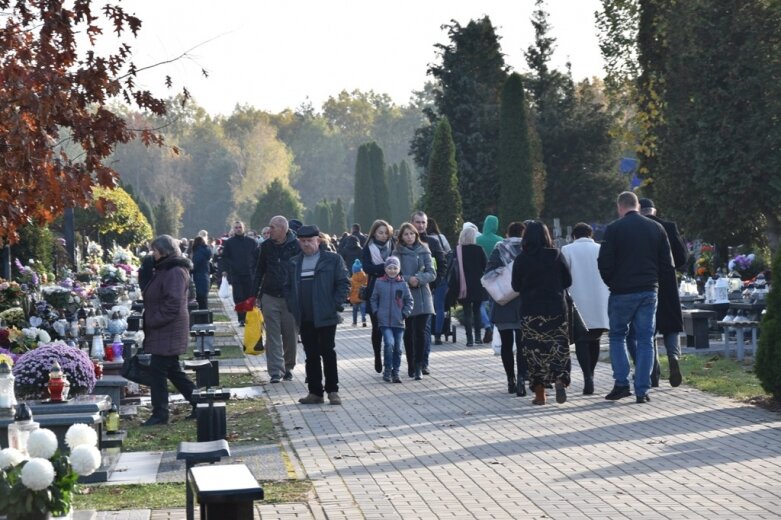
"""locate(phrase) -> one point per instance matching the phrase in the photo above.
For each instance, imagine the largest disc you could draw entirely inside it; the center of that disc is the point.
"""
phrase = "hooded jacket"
(489, 238)
(393, 301)
(166, 320)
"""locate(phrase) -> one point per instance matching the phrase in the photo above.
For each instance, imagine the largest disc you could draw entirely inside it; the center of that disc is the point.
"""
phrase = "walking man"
(634, 252)
(317, 288)
(270, 277)
(239, 255)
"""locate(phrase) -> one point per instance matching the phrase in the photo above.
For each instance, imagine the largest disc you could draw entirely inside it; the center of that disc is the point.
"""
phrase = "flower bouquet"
(11, 294)
(32, 369)
(13, 317)
(27, 276)
(41, 482)
(747, 266)
(120, 255)
(704, 265)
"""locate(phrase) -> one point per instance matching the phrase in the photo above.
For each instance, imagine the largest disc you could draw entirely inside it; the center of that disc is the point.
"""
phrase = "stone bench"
(112, 386)
(695, 324)
(225, 491)
(193, 453)
(740, 329)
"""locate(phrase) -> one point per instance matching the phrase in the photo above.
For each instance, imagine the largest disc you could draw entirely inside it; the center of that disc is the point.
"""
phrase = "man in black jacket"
(270, 278)
(634, 253)
(239, 255)
(669, 321)
(316, 290)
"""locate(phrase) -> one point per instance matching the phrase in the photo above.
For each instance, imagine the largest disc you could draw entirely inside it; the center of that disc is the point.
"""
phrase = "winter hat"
(392, 260)
(357, 266)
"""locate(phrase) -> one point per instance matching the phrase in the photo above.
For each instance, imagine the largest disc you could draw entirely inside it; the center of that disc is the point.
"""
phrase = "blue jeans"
(392, 356)
(485, 314)
(439, 308)
(639, 310)
(356, 307)
(672, 345)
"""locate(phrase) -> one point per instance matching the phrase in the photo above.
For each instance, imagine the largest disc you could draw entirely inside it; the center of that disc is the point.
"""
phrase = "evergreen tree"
(338, 217)
(322, 216)
(392, 174)
(278, 199)
(768, 362)
(363, 202)
(516, 195)
(379, 178)
(443, 201)
(405, 192)
(470, 76)
(168, 214)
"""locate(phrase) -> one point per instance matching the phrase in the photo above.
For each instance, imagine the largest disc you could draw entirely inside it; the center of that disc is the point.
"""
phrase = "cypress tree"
(363, 202)
(768, 362)
(379, 182)
(405, 192)
(514, 161)
(322, 216)
(338, 217)
(443, 200)
(278, 199)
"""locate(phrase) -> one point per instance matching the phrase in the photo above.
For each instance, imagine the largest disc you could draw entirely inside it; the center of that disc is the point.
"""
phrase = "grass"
(719, 375)
(227, 381)
(220, 317)
(248, 422)
(226, 352)
(172, 495)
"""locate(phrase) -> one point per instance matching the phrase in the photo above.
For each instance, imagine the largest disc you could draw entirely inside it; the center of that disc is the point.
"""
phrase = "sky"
(277, 54)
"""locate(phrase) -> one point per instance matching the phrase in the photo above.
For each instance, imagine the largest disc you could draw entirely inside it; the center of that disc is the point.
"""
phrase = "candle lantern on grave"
(7, 396)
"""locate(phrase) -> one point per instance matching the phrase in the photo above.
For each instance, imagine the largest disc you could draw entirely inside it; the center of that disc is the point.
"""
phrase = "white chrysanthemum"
(85, 459)
(42, 443)
(43, 336)
(10, 457)
(38, 474)
(80, 434)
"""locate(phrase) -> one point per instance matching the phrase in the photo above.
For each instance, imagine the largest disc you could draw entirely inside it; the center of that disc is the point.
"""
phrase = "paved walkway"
(456, 445)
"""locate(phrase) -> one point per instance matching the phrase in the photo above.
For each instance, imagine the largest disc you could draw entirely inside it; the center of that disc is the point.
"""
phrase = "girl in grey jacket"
(392, 302)
(418, 272)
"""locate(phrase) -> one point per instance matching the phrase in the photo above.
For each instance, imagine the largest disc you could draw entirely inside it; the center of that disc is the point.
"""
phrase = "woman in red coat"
(166, 325)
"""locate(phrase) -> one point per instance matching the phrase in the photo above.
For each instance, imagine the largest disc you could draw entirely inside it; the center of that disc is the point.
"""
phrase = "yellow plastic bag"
(253, 333)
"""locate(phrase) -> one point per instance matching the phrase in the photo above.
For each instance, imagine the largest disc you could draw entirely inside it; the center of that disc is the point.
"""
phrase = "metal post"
(5, 262)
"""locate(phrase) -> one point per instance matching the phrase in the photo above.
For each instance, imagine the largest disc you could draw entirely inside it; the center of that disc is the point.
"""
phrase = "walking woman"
(540, 276)
(378, 247)
(465, 283)
(418, 271)
(507, 317)
(440, 291)
(590, 295)
(201, 255)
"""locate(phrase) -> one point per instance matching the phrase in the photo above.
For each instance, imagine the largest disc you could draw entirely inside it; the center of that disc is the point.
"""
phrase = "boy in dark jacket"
(392, 301)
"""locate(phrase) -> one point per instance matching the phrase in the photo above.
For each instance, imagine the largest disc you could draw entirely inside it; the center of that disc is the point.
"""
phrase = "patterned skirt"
(545, 342)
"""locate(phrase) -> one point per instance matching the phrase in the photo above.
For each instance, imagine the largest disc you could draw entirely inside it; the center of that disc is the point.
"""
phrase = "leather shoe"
(488, 336)
(675, 372)
(154, 421)
(520, 388)
(425, 371)
(561, 392)
(641, 399)
(288, 376)
(312, 399)
(618, 392)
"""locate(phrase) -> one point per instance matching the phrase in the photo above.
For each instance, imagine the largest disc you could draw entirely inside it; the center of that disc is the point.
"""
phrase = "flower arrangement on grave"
(94, 252)
(32, 369)
(120, 255)
(704, 265)
(14, 317)
(42, 482)
(28, 277)
(113, 275)
(11, 294)
(747, 266)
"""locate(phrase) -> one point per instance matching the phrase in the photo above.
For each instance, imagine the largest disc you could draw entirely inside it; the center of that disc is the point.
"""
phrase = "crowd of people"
(408, 280)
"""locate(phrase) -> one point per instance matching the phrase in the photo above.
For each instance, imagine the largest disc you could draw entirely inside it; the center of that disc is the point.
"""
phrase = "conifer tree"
(514, 160)
(443, 200)
(405, 192)
(379, 178)
(278, 199)
(338, 217)
(768, 362)
(363, 201)
(322, 216)
(167, 217)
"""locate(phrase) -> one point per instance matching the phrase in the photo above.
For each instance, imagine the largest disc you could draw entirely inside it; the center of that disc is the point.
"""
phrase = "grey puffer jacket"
(393, 301)
(416, 261)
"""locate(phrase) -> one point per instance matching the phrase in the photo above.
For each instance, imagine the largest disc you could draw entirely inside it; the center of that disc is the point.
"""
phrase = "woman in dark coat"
(468, 268)
(378, 247)
(166, 325)
(507, 317)
(540, 276)
(201, 256)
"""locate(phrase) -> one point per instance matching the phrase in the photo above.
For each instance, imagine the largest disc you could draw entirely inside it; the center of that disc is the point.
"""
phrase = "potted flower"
(40, 484)
(32, 370)
(11, 294)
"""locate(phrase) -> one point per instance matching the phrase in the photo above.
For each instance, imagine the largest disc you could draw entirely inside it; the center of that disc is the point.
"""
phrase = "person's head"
(238, 228)
(277, 228)
(468, 236)
(325, 240)
(536, 236)
(392, 266)
(420, 221)
(203, 233)
(165, 246)
(357, 266)
(295, 225)
(309, 239)
(408, 234)
(252, 234)
(582, 230)
(515, 230)
(626, 202)
(432, 228)
(265, 233)
(198, 241)
(647, 207)
(380, 230)
(356, 228)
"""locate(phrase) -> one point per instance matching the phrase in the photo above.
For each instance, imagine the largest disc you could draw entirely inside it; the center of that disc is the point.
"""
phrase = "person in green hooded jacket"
(488, 241)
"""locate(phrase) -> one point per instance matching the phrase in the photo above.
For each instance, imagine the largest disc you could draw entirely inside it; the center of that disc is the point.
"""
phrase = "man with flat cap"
(316, 291)
(669, 321)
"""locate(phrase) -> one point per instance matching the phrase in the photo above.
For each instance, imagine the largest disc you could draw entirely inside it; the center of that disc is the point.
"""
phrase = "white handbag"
(498, 283)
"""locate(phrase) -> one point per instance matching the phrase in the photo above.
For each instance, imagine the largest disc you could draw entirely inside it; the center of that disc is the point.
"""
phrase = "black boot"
(470, 342)
(511, 384)
(520, 386)
(377, 361)
(418, 372)
(588, 386)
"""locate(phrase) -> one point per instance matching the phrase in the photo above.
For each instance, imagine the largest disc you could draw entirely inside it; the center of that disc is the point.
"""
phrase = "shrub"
(768, 362)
